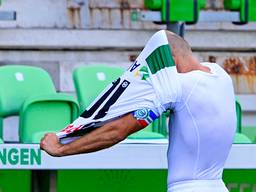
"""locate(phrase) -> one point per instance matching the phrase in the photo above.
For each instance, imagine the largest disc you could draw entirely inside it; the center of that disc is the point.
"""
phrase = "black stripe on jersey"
(112, 100)
(89, 113)
(81, 132)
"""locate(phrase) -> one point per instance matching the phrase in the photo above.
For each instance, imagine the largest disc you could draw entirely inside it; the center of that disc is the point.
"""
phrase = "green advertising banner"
(141, 180)
(118, 180)
(15, 181)
(122, 156)
(112, 180)
(240, 180)
(20, 156)
(124, 167)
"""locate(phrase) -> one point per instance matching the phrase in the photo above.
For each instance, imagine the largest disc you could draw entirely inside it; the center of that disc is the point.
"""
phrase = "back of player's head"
(179, 46)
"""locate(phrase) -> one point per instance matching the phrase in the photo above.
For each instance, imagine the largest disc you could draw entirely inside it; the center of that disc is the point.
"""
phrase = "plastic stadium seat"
(91, 80)
(1, 128)
(250, 132)
(22, 83)
(17, 84)
(146, 134)
(161, 124)
(238, 117)
(239, 137)
(25, 82)
(46, 113)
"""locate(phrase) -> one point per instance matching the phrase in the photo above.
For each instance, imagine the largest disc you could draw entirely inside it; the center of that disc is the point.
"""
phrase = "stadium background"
(61, 35)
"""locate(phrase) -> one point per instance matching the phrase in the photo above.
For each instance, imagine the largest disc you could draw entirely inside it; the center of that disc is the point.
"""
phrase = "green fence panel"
(111, 180)
(240, 180)
(140, 180)
(15, 181)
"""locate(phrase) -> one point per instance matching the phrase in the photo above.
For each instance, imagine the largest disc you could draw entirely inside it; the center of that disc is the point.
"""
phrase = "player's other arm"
(107, 136)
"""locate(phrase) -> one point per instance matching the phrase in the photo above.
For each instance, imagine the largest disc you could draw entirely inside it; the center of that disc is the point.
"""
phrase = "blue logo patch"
(141, 114)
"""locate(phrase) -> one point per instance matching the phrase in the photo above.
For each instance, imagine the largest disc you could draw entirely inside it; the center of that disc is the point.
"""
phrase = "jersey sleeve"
(150, 83)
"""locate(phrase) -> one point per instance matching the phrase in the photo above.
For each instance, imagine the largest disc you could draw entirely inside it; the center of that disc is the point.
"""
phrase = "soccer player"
(166, 75)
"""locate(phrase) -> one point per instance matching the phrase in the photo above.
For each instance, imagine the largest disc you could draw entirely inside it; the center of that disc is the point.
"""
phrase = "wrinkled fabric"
(150, 82)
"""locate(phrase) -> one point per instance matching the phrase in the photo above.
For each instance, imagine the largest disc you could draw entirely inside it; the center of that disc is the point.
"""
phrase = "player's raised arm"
(148, 88)
(150, 82)
(108, 135)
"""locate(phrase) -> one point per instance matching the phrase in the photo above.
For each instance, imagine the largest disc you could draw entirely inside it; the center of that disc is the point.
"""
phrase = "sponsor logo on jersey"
(142, 73)
(134, 66)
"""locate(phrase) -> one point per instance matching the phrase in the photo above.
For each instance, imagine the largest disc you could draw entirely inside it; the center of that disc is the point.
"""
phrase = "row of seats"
(30, 94)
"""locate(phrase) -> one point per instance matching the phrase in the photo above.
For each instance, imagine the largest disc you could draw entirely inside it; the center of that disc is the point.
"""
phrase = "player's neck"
(187, 64)
(204, 69)
(192, 64)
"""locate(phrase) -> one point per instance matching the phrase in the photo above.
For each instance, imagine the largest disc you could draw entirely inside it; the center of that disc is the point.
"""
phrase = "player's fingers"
(47, 134)
(43, 140)
(50, 135)
(42, 144)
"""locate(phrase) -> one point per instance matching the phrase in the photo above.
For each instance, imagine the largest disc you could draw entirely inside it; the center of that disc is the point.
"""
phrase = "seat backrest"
(19, 82)
(46, 113)
(238, 117)
(91, 80)
(241, 139)
(1, 128)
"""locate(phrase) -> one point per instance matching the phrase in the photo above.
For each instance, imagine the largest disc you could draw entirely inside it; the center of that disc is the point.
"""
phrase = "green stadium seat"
(240, 138)
(144, 134)
(238, 117)
(18, 83)
(161, 124)
(25, 85)
(1, 128)
(250, 132)
(46, 113)
(23, 82)
(91, 80)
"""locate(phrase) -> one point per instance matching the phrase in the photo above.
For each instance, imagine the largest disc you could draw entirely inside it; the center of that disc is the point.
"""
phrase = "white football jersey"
(151, 83)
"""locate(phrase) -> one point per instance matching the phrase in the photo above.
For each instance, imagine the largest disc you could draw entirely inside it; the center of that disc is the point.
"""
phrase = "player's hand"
(50, 143)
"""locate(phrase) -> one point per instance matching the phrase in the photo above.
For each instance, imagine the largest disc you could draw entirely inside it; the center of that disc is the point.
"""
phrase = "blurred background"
(62, 35)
